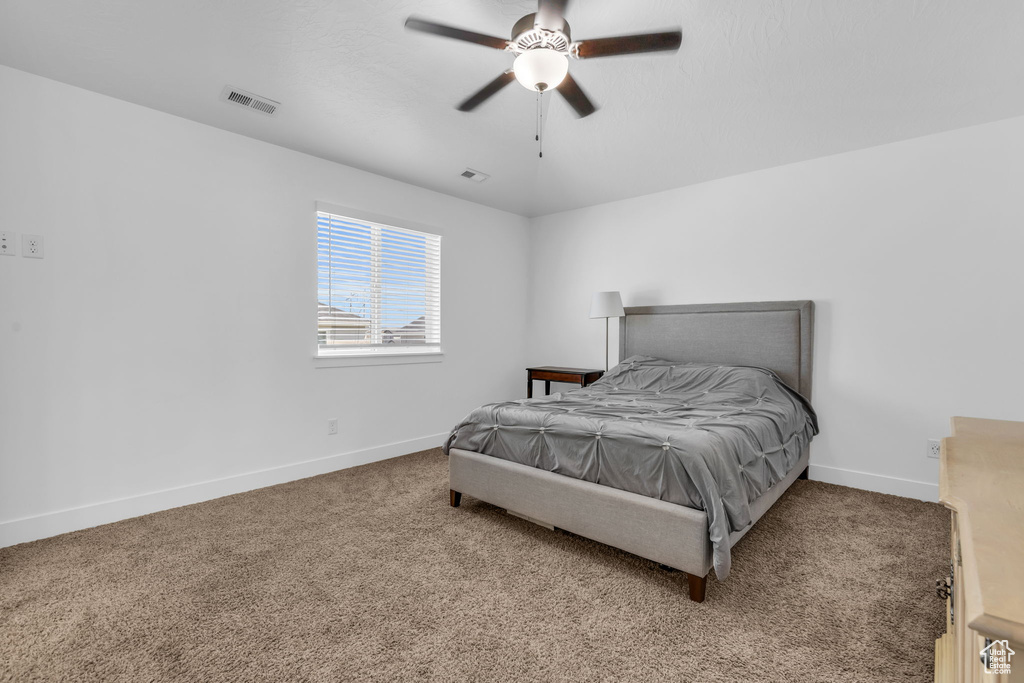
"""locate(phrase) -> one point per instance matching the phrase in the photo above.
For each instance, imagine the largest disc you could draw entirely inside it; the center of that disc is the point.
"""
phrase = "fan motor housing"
(526, 36)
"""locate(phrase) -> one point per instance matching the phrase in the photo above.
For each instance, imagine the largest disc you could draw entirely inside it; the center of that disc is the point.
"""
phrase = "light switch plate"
(32, 246)
(7, 247)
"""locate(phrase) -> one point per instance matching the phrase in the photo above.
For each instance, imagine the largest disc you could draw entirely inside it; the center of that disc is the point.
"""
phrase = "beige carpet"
(368, 574)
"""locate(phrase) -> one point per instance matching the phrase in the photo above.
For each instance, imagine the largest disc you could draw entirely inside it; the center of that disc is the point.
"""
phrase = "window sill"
(343, 361)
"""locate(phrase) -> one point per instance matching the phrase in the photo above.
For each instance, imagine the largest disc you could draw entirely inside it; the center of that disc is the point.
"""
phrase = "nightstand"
(549, 374)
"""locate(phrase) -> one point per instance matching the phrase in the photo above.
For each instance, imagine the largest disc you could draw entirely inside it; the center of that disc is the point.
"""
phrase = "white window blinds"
(378, 288)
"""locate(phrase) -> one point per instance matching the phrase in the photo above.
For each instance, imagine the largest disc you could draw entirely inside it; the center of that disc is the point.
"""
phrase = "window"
(378, 288)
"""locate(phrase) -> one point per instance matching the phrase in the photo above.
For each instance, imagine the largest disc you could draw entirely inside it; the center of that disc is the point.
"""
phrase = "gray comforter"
(709, 437)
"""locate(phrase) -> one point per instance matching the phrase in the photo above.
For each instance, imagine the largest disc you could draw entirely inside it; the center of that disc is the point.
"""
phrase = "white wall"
(913, 253)
(161, 352)
(166, 339)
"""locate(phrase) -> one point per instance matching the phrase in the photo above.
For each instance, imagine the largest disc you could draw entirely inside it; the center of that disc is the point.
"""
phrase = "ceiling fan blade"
(575, 96)
(426, 26)
(488, 90)
(550, 14)
(628, 45)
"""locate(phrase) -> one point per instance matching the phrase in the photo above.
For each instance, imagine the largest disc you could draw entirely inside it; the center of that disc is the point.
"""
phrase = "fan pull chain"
(536, 119)
(540, 124)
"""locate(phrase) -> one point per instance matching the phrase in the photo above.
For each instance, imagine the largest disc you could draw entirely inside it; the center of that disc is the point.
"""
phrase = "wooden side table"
(550, 373)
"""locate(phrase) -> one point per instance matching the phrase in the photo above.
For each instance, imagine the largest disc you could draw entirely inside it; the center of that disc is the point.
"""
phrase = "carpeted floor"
(368, 574)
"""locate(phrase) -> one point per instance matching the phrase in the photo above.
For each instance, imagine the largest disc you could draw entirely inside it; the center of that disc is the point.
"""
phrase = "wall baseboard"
(908, 488)
(62, 521)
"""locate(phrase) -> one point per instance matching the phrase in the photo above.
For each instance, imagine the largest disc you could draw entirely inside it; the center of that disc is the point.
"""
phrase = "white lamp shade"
(540, 69)
(606, 305)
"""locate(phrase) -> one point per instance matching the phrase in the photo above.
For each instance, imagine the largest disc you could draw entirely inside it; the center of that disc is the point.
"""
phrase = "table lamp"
(606, 305)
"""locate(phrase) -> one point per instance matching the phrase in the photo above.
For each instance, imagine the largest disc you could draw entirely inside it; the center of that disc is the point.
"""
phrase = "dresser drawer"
(960, 651)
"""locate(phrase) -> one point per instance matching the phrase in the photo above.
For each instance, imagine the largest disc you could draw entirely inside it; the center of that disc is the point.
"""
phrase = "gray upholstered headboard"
(778, 335)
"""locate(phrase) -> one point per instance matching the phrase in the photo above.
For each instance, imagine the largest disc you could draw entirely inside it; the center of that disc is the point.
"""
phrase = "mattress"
(709, 437)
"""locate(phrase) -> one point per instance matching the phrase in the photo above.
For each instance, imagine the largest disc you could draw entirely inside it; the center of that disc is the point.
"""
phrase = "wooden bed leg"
(698, 587)
(803, 475)
(455, 497)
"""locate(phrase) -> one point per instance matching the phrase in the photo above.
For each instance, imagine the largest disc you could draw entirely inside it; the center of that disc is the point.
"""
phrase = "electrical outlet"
(32, 246)
(7, 244)
(933, 448)
(332, 426)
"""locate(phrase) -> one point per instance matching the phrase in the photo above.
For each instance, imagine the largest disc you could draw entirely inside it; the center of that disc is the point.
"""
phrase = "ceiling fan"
(542, 45)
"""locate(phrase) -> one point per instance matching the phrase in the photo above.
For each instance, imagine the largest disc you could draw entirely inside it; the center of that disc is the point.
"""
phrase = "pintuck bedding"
(708, 437)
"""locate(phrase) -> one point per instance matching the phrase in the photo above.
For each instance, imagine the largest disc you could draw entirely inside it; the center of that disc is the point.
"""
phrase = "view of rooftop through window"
(377, 285)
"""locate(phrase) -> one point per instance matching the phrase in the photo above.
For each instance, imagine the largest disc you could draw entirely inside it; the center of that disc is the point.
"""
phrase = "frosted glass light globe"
(540, 69)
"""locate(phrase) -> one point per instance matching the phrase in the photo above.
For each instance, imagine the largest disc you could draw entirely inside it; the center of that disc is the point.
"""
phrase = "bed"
(717, 378)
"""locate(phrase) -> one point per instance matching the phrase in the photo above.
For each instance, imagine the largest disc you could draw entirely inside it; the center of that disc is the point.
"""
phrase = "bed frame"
(777, 335)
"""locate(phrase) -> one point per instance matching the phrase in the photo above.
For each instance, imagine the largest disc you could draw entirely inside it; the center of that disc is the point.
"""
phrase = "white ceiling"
(757, 83)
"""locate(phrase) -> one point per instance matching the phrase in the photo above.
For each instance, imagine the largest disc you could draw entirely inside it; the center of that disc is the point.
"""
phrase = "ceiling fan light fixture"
(540, 69)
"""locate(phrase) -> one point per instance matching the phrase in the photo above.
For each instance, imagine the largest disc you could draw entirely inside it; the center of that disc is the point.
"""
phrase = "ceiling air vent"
(475, 176)
(244, 98)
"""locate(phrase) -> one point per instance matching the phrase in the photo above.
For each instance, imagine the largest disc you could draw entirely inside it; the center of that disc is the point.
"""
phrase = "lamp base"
(606, 327)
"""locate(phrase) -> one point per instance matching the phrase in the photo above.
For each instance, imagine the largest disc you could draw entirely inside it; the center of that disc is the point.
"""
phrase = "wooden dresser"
(981, 479)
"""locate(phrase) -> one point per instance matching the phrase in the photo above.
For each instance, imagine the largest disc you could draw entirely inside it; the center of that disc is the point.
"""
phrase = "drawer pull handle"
(942, 588)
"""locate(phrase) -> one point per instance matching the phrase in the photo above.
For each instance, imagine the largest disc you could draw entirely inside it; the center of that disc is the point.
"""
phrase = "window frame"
(364, 355)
